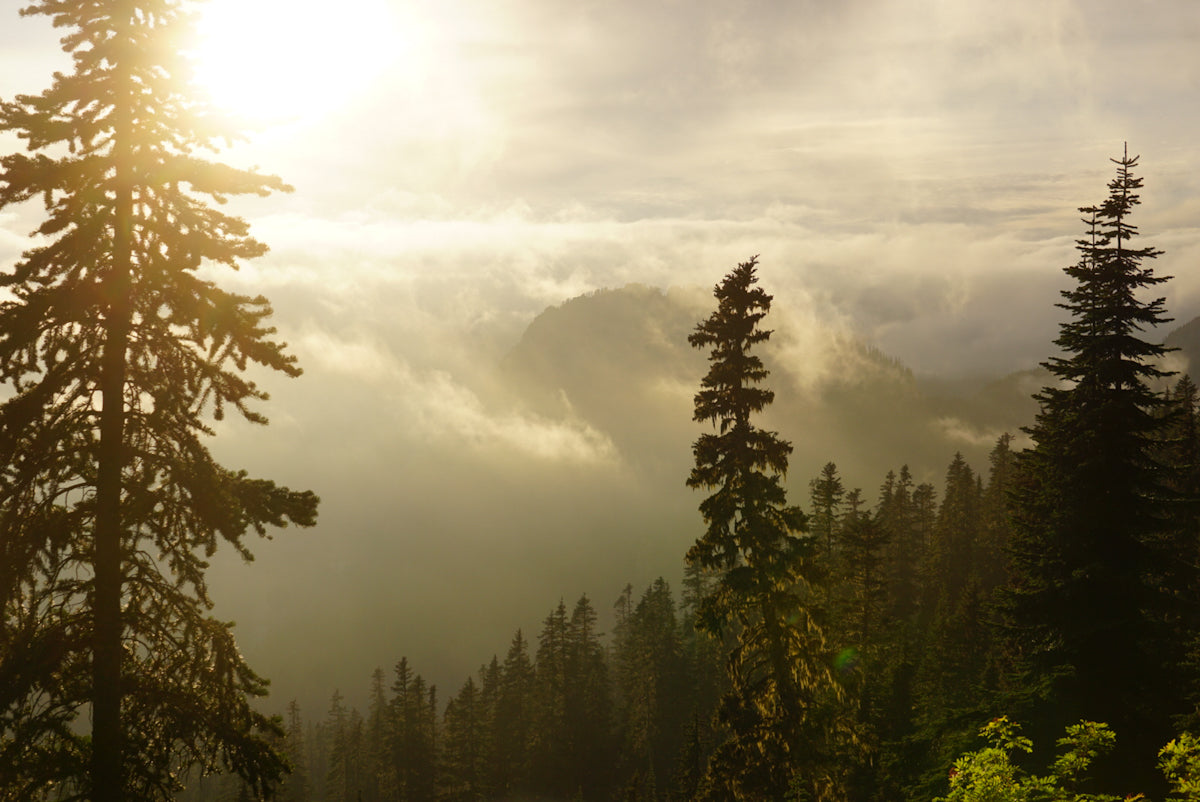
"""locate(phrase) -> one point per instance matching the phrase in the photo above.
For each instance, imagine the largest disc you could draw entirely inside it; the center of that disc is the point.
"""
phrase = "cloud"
(960, 432)
(433, 406)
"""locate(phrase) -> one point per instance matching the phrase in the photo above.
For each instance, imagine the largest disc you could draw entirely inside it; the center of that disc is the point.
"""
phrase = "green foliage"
(1179, 761)
(991, 775)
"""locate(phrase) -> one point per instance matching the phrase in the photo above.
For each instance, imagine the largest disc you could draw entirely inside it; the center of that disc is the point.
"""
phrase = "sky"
(908, 172)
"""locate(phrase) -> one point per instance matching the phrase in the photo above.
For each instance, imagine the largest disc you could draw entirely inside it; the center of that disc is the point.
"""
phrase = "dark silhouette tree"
(780, 739)
(652, 693)
(116, 348)
(827, 493)
(296, 787)
(464, 745)
(1091, 580)
(995, 515)
(413, 734)
(513, 727)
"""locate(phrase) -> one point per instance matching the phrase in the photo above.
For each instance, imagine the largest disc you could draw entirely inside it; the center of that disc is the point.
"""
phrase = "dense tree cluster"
(631, 714)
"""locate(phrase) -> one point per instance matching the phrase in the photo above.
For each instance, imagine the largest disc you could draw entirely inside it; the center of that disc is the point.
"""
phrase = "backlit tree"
(779, 738)
(117, 349)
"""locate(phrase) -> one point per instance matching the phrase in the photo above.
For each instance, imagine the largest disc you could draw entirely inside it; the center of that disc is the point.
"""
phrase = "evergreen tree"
(491, 682)
(826, 492)
(995, 515)
(379, 781)
(296, 787)
(1091, 575)
(551, 754)
(514, 720)
(652, 693)
(950, 560)
(464, 745)
(413, 734)
(898, 514)
(115, 350)
(780, 673)
(589, 705)
(860, 575)
(343, 779)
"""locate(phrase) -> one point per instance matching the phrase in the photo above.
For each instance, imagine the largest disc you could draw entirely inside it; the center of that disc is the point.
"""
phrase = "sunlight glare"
(275, 61)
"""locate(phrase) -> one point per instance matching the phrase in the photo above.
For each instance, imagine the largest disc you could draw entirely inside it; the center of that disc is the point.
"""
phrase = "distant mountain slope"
(620, 360)
(1187, 339)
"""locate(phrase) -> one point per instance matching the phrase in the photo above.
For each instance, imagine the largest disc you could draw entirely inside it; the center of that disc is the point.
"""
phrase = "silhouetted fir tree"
(1180, 449)
(951, 560)
(413, 735)
(379, 780)
(1089, 547)
(905, 516)
(588, 706)
(651, 693)
(897, 514)
(515, 707)
(952, 690)
(861, 575)
(995, 515)
(551, 754)
(295, 787)
(826, 492)
(781, 677)
(339, 776)
(707, 681)
(115, 351)
(491, 679)
(464, 746)
(858, 590)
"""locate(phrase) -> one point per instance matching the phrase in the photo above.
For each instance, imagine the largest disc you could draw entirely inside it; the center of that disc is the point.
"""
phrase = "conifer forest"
(1023, 629)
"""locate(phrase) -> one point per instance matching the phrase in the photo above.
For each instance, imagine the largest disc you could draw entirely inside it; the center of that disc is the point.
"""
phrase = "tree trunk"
(107, 748)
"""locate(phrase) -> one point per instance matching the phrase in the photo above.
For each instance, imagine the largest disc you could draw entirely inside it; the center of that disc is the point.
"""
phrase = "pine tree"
(514, 721)
(551, 754)
(296, 787)
(115, 349)
(950, 560)
(1089, 546)
(781, 677)
(651, 692)
(826, 492)
(380, 773)
(413, 733)
(995, 515)
(464, 745)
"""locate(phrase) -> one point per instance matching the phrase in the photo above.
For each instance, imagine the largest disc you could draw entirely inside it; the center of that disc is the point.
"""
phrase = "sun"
(273, 61)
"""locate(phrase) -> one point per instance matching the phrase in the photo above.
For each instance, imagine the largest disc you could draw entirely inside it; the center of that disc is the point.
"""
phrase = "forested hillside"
(628, 714)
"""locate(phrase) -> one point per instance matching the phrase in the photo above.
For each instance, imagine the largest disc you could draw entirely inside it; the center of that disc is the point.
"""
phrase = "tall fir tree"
(514, 720)
(1091, 546)
(826, 492)
(779, 739)
(116, 349)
